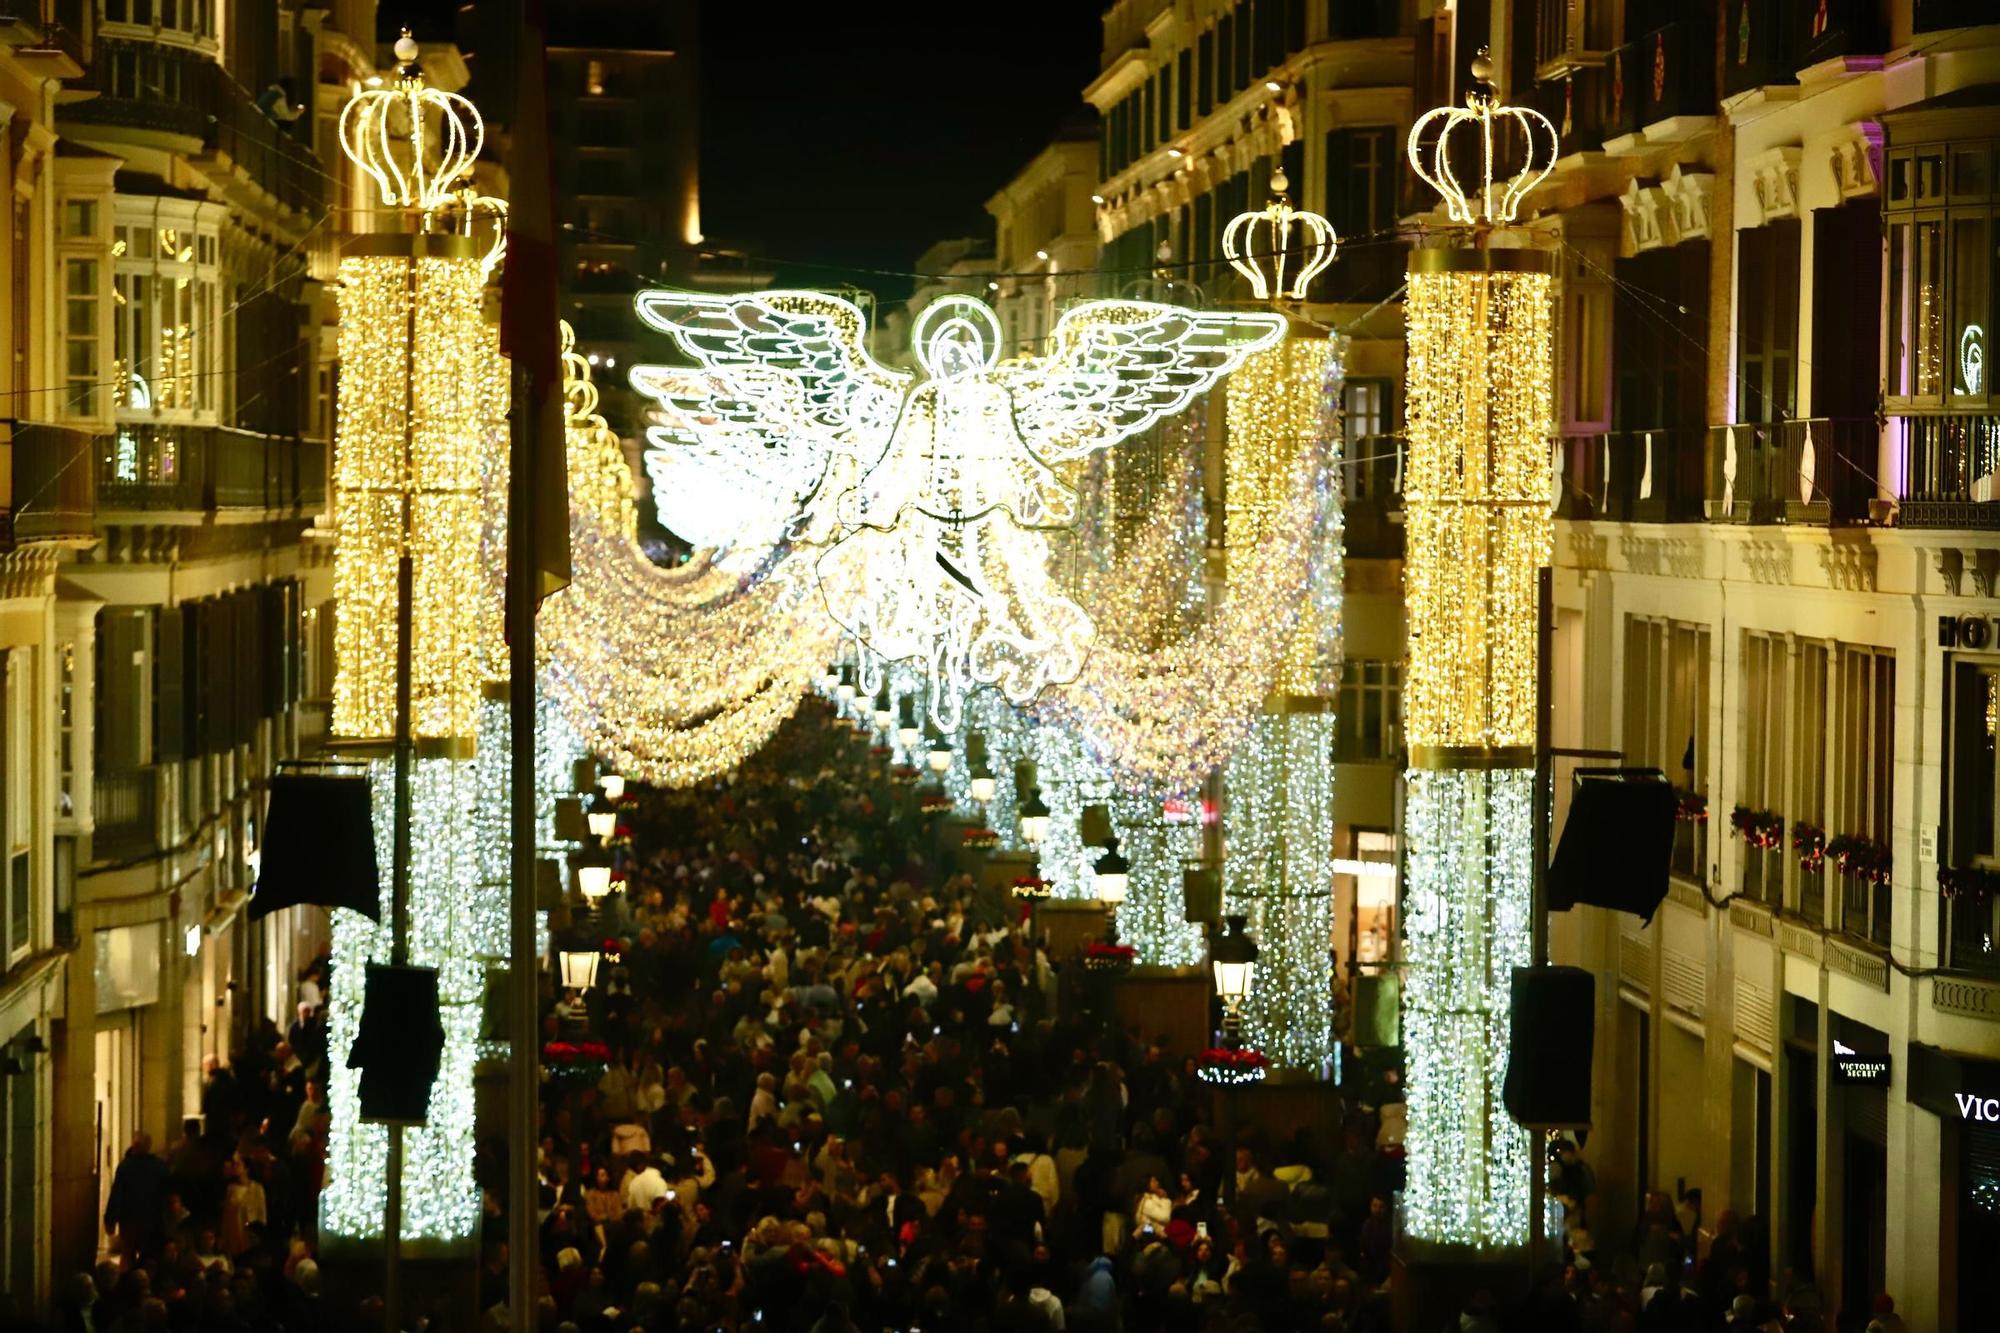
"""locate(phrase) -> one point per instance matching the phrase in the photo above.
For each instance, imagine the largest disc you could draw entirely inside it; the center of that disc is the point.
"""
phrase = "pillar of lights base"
(420, 397)
(1478, 528)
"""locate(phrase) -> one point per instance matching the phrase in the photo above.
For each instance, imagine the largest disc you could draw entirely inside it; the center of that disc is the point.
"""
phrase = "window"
(166, 324)
(1368, 725)
(593, 78)
(1767, 313)
(1666, 720)
(1204, 79)
(1943, 249)
(82, 374)
(1244, 37)
(1761, 775)
(79, 219)
(1184, 90)
(66, 729)
(1360, 180)
(1146, 122)
(1807, 805)
(1225, 58)
(1659, 334)
(1974, 829)
(1369, 470)
(17, 819)
(1863, 738)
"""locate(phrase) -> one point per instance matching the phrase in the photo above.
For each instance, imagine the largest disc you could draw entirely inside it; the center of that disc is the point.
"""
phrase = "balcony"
(1814, 470)
(202, 469)
(1763, 40)
(126, 807)
(172, 91)
(55, 491)
(1948, 467)
(1852, 28)
(1641, 476)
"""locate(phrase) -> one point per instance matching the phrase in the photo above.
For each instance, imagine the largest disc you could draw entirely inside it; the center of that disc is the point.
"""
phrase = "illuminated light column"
(1477, 530)
(1283, 414)
(414, 463)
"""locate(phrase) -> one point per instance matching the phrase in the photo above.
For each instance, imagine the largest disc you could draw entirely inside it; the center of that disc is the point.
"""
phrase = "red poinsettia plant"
(934, 803)
(981, 838)
(1031, 886)
(1690, 807)
(1809, 841)
(1861, 857)
(570, 1054)
(1762, 829)
(1225, 1064)
(904, 774)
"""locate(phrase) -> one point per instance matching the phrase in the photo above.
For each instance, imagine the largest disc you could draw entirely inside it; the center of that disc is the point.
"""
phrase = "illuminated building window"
(82, 372)
(166, 323)
(593, 78)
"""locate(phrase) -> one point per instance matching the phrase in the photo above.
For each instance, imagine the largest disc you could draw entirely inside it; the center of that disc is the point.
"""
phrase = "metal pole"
(1538, 915)
(399, 877)
(522, 1007)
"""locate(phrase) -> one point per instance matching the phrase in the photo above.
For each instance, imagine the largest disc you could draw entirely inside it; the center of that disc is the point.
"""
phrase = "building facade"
(162, 593)
(1774, 464)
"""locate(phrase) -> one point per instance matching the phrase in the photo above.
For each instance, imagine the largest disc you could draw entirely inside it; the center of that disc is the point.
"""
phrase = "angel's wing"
(814, 341)
(755, 415)
(1118, 366)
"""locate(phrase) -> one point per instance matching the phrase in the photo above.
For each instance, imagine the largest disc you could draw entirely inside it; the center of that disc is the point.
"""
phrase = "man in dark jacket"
(138, 1193)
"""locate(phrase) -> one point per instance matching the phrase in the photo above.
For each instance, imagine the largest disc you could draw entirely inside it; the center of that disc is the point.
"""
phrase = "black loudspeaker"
(319, 846)
(1618, 842)
(1548, 1060)
(1377, 1010)
(399, 1044)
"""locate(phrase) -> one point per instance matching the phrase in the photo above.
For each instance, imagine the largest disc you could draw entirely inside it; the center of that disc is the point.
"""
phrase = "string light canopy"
(1480, 407)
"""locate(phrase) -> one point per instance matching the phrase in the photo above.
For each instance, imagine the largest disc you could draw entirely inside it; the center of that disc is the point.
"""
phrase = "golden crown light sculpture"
(1479, 397)
(414, 141)
(418, 459)
(1280, 223)
(1498, 198)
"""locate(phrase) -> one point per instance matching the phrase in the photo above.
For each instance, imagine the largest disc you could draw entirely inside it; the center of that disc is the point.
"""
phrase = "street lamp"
(613, 786)
(602, 821)
(939, 754)
(593, 877)
(1234, 958)
(885, 711)
(982, 783)
(846, 689)
(1034, 818)
(907, 730)
(579, 967)
(1113, 873)
(831, 680)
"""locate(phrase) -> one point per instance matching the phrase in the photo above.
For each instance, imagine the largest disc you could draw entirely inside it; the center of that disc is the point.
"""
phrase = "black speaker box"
(319, 846)
(399, 1044)
(1550, 1038)
(1618, 842)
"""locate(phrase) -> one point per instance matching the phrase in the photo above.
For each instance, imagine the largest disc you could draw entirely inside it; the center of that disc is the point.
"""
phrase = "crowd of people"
(833, 1082)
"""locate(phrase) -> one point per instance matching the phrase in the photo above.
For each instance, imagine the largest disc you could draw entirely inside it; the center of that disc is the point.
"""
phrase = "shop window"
(1374, 932)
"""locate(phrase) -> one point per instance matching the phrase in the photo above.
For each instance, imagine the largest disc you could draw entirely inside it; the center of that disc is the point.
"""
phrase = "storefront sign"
(1852, 1066)
(1971, 1106)
(1968, 631)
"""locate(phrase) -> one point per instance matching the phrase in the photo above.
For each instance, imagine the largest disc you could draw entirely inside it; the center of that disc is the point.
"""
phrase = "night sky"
(855, 135)
(839, 138)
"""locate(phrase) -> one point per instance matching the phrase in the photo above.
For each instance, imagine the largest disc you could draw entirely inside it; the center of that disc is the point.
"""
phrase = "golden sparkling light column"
(1477, 527)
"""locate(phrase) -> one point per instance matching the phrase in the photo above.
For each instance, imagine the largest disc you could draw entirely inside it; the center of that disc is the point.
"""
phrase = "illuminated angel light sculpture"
(931, 495)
